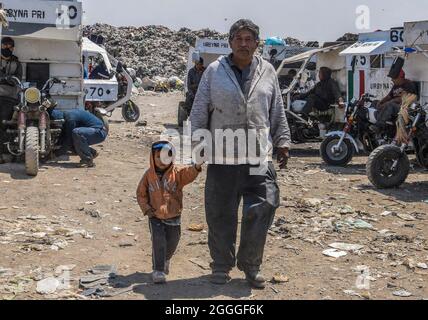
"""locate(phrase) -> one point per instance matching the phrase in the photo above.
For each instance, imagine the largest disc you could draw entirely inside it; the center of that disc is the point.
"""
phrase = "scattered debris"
(334, 253)
(346, 246)
(402, 293)
(48, 285)
(196, 227)
(279, 278)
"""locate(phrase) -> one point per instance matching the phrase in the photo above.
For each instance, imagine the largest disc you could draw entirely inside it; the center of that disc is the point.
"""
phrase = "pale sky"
(322, 20)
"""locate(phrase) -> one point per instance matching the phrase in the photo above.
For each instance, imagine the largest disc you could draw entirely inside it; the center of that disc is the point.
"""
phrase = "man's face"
(321, 76)
(199, 66)
(244, 44)
(8, 46)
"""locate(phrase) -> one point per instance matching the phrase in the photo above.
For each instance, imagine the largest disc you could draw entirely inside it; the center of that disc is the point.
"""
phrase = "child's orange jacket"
(166, 196)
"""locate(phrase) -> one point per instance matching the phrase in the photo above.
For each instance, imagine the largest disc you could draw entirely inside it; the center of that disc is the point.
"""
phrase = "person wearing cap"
(160, 196)
(9, 67)
(193, 79)
(389, 107)
(241, 93)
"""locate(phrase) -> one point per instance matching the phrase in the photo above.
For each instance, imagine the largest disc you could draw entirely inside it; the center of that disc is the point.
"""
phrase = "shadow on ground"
(196, 288)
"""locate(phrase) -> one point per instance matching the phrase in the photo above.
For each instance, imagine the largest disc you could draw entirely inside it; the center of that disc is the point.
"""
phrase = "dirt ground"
(80, 218)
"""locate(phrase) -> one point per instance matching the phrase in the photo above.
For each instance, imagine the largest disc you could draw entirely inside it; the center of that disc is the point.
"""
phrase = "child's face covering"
(162, 160)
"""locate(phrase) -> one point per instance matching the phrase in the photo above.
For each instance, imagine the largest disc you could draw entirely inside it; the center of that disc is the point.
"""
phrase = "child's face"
(158, 161)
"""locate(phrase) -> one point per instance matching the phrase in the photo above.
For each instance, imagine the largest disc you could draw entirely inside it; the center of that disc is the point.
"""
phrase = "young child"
(160, 196)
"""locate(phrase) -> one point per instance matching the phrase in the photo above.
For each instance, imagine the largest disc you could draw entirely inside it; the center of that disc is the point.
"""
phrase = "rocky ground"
(68, 221)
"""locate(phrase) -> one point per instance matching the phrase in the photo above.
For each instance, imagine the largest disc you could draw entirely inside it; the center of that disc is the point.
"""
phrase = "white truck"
(112, 92)
(369, 60)
(47, 36)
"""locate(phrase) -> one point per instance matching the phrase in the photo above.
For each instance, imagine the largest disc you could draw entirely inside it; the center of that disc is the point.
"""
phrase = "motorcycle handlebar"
(15, 80)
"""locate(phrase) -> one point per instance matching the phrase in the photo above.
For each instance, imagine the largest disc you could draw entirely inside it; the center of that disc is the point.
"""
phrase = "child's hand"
(151, 213)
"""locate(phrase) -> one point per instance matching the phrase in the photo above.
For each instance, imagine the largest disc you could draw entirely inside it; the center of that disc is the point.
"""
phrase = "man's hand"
(283, 156)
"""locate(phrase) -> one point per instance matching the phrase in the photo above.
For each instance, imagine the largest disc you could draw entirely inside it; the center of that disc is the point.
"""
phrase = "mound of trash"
(151, 50)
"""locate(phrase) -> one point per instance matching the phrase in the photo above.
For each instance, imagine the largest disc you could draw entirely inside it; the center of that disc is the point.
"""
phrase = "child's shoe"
(159, 277)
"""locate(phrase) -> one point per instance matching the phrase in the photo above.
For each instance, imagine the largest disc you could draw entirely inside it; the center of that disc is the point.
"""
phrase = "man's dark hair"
(8, 41)
(201, 60)
(244, 24)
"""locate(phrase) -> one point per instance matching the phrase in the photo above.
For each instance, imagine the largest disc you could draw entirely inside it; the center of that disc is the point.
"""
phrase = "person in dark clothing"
(389, 107)
(100, 72)
(323, 95)
(81, 130)
(237, 92)
(9, 67)
(193, 79)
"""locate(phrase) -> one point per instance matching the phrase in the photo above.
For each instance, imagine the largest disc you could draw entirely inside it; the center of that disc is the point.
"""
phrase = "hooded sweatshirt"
(164, 194)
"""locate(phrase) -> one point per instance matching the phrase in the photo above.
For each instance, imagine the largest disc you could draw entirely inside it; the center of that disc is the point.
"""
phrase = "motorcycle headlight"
(32, 95)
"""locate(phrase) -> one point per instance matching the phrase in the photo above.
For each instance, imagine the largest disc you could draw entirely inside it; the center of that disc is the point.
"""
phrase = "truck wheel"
(131, 112)
(182, 114)
(32, 151)
(379, 170)
(340, 157)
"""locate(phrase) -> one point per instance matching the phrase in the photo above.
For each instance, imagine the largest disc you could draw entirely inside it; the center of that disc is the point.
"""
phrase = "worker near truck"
(325, 93)
(9, 67)
(193, 79)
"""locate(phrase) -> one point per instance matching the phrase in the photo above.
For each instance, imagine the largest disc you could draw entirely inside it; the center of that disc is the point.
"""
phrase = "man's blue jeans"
(85, 137)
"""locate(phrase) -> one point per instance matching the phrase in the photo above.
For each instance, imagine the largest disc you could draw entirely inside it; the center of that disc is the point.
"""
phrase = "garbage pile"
(151, 50)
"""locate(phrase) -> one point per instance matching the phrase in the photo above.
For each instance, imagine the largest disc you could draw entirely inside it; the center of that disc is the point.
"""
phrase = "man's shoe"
(255, 279)
(94, 153)
(220, 278)
(158, 277)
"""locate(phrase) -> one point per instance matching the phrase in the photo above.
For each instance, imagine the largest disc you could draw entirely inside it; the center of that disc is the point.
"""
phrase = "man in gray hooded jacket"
(240, 93)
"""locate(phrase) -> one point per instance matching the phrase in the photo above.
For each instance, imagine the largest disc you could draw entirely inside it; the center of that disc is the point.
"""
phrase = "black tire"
(341, 159)
(379, 164)
(131, 112)
(182, 114)
(32, 151)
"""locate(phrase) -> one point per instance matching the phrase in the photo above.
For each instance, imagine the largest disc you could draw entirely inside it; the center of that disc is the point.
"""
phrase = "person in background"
(325, 93)
(193, 79)
(389, 107)
(9, 67)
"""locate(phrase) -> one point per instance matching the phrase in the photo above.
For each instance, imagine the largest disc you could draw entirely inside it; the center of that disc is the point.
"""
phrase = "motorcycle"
(389, 166)
(312, 128)
(33, 134)
(358, 135)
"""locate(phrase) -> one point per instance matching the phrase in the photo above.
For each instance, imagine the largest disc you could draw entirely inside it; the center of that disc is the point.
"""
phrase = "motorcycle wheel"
(379, 167)
(182, 114)
(32, 151)
(341, 158)
(131, 112)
